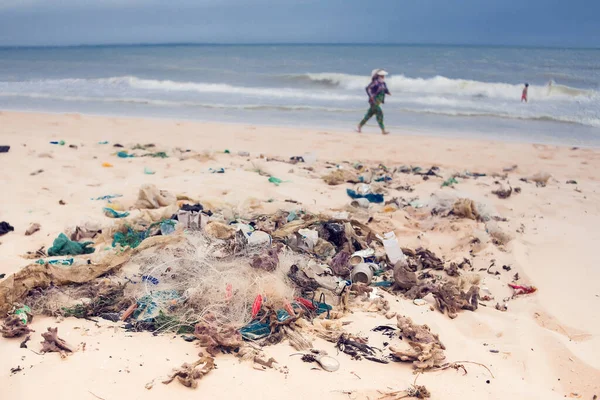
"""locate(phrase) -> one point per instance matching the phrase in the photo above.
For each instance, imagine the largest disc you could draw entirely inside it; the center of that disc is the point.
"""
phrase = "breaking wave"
(443, 85)
(196, 87)
(450, 111)
(169, 103)
(326, 93)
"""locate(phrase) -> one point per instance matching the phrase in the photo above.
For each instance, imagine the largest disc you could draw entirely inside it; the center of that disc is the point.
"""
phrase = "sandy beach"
(545, 345)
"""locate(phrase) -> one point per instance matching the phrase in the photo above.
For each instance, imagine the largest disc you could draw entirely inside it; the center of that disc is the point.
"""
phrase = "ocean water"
(446, 90)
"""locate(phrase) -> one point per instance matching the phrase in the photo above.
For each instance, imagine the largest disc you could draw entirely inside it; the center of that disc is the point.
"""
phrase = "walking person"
(376, 90)
(524, 95)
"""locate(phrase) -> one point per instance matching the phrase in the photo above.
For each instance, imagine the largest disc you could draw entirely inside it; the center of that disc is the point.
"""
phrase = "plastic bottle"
(392, 248)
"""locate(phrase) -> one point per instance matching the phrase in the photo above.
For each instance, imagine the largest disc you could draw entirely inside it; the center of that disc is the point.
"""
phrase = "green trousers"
(375, 109)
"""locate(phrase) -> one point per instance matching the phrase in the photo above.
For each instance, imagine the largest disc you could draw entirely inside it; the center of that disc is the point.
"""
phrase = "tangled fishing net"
(178, 284)
(197, 277)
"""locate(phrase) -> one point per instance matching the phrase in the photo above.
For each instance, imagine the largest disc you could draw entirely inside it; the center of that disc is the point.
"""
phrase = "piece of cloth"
(131, 238)
(62, 246)
(4, 149)
(274, 180)
(109, 212)
(372, 197)
(255, 330)
(376, 110)
(5, 227)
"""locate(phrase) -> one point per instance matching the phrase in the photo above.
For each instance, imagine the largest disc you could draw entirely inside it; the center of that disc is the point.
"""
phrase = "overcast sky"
(513, 22)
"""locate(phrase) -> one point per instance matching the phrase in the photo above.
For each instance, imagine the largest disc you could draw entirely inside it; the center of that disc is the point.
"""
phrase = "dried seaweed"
(422, 258)
(105, 299)
(454, 268)
(503, 193)
(215, 338)
(419, 291)
(297, 340)
(300, 278)
(465, 208)
(404, 278)
(14, 327)
(339, 176)
(188, 374)
(450, 298)
(357, 348)
(422, 356)
(425, 351)
(416, 391)
(416, 333)
(53, 344)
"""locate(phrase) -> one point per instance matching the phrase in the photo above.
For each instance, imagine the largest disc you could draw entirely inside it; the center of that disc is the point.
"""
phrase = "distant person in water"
(376, 90)
(524, 95)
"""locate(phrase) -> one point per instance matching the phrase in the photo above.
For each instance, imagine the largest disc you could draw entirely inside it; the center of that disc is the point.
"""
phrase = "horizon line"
(158, 44)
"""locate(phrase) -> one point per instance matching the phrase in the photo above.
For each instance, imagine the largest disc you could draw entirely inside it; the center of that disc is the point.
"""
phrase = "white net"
(196, 277)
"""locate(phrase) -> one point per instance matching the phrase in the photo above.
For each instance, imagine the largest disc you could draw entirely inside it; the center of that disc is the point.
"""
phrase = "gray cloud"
(69, 22)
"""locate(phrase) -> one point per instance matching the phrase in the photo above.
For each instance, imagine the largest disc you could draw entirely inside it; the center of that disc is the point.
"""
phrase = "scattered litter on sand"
(237, 278)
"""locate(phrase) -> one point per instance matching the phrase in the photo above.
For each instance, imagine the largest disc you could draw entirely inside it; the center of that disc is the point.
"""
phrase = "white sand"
(548, 342)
